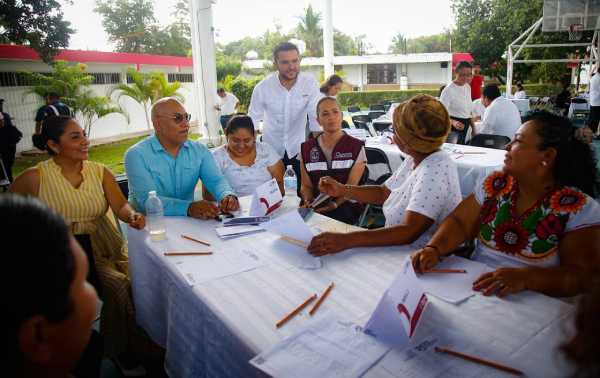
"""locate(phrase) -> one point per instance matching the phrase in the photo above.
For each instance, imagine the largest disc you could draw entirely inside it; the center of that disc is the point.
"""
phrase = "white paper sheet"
(294, 255)
(453, 287)
(235, 231)
(328, 348)
(399, 311)
(266, 199)
(201, 269)
(291, 225)
(420, 360)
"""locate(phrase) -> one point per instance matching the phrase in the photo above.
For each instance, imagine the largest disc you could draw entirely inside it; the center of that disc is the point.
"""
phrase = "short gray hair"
(159, 103)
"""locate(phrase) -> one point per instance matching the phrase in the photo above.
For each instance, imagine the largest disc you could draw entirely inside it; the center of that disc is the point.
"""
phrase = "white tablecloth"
(471, 167)
(213, 329)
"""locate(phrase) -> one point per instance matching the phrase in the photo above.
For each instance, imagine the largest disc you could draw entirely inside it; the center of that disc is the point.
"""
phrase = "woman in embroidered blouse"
(421, 193)
(536, 221)
(244, 162)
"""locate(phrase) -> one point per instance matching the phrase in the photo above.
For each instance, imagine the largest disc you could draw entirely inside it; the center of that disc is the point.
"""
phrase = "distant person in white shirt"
(456, 97)
(226, 104)
(594, 102)
(286, 101)
(520, 93)
(501, 116)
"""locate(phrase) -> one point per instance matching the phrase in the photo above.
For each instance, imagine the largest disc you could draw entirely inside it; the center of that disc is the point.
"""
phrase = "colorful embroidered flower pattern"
(511, 237)
(498, 184)
(548, 226)
(567, 200)
(488, 211)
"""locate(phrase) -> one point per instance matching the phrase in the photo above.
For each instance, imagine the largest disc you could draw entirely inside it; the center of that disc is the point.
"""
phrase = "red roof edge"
(19, 52)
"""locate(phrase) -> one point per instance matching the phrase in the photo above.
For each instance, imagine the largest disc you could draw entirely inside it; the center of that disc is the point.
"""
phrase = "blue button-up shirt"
(150, 167)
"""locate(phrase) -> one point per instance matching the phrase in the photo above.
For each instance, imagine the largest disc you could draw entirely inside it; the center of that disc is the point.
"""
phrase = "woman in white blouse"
(420, 194)
(244, 162)
(456, 97)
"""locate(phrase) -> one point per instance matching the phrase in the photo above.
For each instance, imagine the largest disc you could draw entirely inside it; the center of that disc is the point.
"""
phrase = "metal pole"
(204, 69)
(509, 73)
(533, 30)
(328, 39)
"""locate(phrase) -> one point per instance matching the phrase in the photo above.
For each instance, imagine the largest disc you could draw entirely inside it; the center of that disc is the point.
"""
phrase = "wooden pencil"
(295, 311)
(478, 360)
(187, 253)
(195, 240)
(321, 299)
(436, 270)
(297, 242)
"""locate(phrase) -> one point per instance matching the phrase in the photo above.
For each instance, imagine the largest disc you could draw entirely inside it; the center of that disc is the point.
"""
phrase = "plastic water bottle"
(290, 182)
(154, 217)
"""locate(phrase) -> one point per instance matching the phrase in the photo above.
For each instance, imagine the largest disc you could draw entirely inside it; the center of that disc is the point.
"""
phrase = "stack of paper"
(236, 231)
(329, 348)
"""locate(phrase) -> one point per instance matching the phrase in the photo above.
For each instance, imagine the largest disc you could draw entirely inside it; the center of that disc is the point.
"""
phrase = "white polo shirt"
(500, 118)
(227, 103)
(457, 100)
(284, 113)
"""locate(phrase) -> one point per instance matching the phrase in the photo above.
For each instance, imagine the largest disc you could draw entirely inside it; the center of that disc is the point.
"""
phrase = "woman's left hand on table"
(502, 281)
(327, 243)
(137, 220)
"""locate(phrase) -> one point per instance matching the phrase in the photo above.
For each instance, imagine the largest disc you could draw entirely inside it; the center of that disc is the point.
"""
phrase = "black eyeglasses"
(177, 117)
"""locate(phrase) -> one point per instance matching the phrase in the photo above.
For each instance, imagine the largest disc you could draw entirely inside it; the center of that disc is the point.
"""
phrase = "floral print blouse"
(506, 238)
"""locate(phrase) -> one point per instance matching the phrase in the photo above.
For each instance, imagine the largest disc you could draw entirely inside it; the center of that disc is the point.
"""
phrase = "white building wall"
(353, 74)
(426, 73)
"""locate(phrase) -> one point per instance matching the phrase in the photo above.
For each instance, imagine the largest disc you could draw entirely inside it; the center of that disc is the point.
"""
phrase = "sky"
(379, 20)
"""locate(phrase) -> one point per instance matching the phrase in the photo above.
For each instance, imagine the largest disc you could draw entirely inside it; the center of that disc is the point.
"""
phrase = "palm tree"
(146, 88)
(310, 31)
(93, 108)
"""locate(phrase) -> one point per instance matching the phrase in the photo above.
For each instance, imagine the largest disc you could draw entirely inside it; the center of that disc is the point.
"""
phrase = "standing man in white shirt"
(501, 115)
(226, 104)
(595, 102)
(285, 100)
(456, 97)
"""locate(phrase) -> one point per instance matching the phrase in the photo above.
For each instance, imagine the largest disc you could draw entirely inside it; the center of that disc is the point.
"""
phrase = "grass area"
(110, 154)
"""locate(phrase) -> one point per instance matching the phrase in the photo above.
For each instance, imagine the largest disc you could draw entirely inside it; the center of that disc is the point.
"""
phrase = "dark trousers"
(295, 163)
(8, 160)
(594, 118)
(462, 134)
(224, 119)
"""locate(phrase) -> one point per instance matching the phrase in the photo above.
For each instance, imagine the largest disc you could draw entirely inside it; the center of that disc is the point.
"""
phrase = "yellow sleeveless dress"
(86, 210)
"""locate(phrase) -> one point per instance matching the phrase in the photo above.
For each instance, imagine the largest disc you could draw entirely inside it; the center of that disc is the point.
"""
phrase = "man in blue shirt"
(170, 164)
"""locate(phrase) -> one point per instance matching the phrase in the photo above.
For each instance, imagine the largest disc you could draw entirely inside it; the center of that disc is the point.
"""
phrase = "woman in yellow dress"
(82, 191)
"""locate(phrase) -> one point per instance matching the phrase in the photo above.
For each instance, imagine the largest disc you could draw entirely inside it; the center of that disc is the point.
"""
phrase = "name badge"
(319, 166)
(341, 164)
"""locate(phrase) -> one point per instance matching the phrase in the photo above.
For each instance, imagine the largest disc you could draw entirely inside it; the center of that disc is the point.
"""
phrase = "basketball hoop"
(575, 32)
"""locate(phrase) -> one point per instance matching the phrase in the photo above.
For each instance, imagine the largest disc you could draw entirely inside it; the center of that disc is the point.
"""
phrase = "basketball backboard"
(560, 14)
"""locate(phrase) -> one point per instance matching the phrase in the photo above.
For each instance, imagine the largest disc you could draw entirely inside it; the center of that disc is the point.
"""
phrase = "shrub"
(364, 99)
(242, 88)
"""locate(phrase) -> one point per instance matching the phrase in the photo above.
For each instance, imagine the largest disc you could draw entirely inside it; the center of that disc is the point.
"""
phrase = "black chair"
(382, 126)
(377, 161)
(490, 141)
(377, 107)
(123, 184)
(452, 137)
(361, 118)
(345, 124)
(376, 114)
(364, 126)
(387, 105)
(353, 109)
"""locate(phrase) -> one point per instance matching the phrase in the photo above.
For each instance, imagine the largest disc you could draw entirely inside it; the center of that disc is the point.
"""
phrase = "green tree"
(227, 66)
(343, 44)
(399, 44)
(128, 23)
(72, 83)
(429, 43)
(38, 23)
(309, 30)
(146, 88)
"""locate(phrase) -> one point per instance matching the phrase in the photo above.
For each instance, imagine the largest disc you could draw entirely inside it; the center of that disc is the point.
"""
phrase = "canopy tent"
(573, 16)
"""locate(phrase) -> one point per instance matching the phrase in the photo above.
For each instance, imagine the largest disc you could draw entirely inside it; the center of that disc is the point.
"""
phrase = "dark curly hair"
(575, 163)
(583, 349)
(330, 82)
(40, 270)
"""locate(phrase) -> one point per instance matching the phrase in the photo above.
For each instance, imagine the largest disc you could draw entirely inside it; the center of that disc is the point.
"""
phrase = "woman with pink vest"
(336, 154)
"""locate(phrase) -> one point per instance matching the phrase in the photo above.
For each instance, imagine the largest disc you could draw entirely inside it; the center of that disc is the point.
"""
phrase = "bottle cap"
(152, 193)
